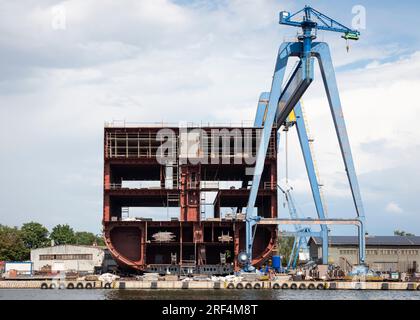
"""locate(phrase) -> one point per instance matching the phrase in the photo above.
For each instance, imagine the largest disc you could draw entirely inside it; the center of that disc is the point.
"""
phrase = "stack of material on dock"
(201, 278)
(91, 277)
(282, 277)
(150, 277)
(250, 276)
(230, 278)
(108, 277)
(170, 277)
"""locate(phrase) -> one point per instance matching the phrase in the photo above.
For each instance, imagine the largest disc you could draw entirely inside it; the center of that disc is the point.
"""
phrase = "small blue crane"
(301, 241)
(315, 20)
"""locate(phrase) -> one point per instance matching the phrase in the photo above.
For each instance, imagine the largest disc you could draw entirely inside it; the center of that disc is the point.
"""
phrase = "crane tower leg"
(322, 52)
(313, 180)
(286, 50)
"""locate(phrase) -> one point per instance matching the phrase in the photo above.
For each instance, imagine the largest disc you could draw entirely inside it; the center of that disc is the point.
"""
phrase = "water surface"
(38, 294)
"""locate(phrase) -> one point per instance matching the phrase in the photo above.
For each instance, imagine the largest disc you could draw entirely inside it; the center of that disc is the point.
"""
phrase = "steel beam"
(307, 221)
(321, 51)
(359, 223)
(261, 109)
(300, 234)
(313, 179)
(286, 50)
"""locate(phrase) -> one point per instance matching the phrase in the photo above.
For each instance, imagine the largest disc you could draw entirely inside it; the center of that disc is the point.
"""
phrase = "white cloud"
(393, 207)
(155, 60)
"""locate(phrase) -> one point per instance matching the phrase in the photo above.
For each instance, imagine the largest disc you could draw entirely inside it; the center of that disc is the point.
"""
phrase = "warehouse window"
(66, 257)
(348, 252)
(46, 257)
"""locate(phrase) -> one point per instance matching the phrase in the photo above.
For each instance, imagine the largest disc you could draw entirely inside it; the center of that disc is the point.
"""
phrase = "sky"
(67, 67)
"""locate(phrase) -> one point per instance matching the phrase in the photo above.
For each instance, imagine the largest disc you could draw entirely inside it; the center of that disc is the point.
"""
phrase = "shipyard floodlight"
(243, 258)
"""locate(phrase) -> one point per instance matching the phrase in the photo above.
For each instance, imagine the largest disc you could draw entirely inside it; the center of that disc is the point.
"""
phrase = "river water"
(37, 294)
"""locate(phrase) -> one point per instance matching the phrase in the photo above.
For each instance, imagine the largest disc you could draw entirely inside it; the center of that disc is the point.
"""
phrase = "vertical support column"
(180, 243)
(107, 176)
(194, 194)
(217, 207)
(313, 180)
(324, 245)
(107, 210)
(190, 193)
(183, 193)
(292, 253)
(107, 186)
(198, 232)
(362, 244)
(322, 52)
(162, 174)
(273, 188)
(145, 242)
(198, 239)
(328, 75)
(142, 244)
(236, 247)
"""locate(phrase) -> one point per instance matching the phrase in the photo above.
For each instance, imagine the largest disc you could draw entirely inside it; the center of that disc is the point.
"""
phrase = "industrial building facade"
(383, 253)
(75, 258)
(174, 197)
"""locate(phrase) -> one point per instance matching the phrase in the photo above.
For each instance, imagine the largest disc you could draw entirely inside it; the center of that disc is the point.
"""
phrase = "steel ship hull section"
(204, 237)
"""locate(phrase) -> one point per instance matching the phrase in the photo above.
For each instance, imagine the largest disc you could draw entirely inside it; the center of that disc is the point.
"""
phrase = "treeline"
(16, 243)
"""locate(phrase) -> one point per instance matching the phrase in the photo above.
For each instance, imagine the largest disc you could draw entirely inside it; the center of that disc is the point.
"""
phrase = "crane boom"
(319, 21)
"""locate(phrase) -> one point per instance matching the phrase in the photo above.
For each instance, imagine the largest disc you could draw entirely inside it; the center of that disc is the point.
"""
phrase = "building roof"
(69, 246)
(371, 240)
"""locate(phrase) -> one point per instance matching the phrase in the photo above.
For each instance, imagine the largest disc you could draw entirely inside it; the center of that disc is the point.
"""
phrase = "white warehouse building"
(66, 258)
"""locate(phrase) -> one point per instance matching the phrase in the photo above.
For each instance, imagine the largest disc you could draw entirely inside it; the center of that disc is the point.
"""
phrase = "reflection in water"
(36, 294)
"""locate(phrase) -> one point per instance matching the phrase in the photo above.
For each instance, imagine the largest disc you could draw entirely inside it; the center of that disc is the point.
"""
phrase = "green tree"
(34, 235)
(285, 245)
(402, 233)
(63, 234)
(88, 238)
(12, 246)
(100, 240)
(85, 238)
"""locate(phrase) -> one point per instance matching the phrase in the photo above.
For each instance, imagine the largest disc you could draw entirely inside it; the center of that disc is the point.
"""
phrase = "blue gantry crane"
(275, 106)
